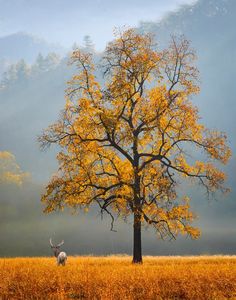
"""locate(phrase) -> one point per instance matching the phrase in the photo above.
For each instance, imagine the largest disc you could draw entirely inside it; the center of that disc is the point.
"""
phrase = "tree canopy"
(126, 144)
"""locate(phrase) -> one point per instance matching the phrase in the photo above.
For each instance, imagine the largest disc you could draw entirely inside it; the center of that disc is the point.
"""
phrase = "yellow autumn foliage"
(10, 171)
(125, 143)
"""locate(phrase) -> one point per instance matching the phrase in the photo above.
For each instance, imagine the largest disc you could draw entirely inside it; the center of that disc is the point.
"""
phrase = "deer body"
(61, 258)
(60, 255)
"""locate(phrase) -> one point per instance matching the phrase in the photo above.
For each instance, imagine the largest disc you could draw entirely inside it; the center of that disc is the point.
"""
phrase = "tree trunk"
(137, 243)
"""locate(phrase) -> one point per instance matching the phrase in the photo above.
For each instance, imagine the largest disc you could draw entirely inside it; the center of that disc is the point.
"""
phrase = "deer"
(60, 255)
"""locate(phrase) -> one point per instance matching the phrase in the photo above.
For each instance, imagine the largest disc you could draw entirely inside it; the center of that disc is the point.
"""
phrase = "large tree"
(128, 143)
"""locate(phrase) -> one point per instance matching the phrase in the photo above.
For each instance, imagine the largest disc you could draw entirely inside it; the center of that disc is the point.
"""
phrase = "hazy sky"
(67, 21)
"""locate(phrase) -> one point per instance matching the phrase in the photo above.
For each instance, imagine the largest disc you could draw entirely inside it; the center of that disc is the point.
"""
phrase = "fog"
(32, 102)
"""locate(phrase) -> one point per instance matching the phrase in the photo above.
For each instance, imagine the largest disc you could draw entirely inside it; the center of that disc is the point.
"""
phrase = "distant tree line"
(21, 71)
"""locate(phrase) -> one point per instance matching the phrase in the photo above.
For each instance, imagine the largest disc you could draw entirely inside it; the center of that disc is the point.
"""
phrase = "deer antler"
(50, 241)
(61, 243)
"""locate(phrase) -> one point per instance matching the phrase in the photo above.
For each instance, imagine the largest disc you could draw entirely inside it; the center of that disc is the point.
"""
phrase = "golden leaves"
(123, 145)
(10, 172)
(215, 144)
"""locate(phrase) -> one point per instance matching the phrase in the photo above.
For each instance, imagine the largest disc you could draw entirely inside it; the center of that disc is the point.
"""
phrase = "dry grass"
(114, 277)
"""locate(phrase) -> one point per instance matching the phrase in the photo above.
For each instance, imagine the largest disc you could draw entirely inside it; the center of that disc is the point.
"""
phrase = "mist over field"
(34, 72)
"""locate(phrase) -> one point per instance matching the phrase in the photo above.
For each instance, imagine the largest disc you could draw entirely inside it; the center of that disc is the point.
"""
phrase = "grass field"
(114, 277)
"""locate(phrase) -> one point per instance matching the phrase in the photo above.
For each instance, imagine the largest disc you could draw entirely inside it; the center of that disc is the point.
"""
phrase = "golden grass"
(114, 277)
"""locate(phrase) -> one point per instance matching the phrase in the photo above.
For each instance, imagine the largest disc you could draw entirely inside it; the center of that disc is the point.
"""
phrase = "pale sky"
(67, 21)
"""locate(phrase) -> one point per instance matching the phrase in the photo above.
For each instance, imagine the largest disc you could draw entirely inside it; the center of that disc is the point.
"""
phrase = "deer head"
(56, 249)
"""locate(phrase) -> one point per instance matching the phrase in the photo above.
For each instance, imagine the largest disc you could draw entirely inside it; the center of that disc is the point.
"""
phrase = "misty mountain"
(21, 45)
(209, 25)
(27, 107)
(32, 103)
